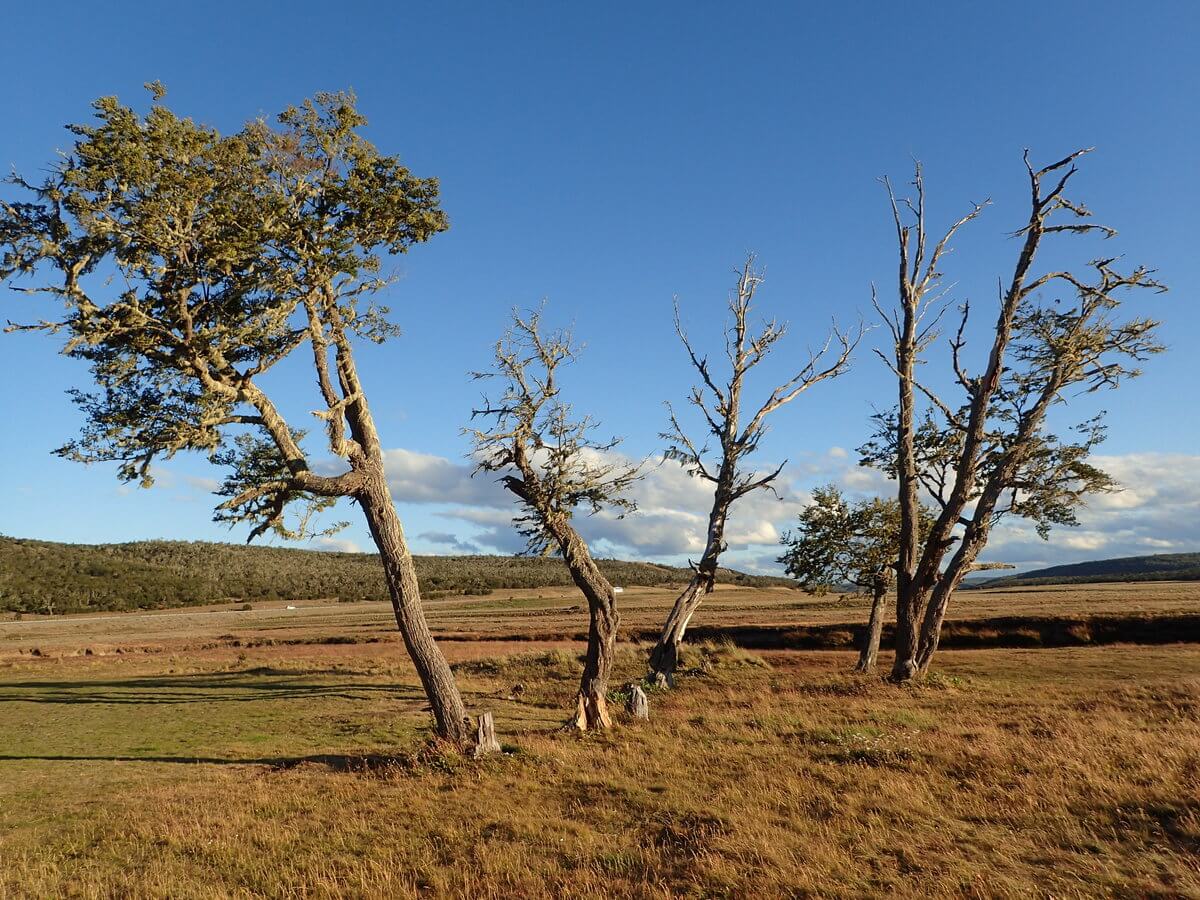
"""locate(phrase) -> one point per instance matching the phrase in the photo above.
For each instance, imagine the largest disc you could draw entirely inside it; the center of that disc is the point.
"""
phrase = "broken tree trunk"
(485, 739)
(591, 704)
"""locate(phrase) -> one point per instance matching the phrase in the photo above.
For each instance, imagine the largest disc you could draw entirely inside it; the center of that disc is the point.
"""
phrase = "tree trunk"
(906, 473)
(963, 561)
(449, 714)
(910, 608)
(664, 658)
(931, 632)
(904, 666)
(591, 703)
(870, 649)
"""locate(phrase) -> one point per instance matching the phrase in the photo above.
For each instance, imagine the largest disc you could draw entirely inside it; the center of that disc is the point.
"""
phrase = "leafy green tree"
(837, 542)
(188, 265)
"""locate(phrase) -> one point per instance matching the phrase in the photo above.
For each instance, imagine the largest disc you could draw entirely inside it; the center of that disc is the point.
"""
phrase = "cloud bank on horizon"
(1157, 511)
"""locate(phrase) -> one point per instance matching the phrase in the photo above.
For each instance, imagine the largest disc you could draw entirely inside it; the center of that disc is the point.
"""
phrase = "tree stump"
(485, 740)
(638, 706)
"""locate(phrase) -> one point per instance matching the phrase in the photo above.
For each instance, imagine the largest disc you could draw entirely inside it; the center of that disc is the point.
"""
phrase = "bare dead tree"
(554, 467)
(990, 455)
(719, 401)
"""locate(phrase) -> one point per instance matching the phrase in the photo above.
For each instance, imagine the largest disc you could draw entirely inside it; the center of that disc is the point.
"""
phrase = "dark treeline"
(42, 576)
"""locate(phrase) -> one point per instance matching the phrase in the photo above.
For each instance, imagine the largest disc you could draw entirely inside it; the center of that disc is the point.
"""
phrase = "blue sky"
(609, 157)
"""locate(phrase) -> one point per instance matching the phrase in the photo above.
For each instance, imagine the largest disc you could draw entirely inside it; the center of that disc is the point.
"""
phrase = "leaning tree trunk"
(931, 631)
(664, 658)
(449, 713)
(935, 615)
(973, 541)
(591, 703)
(870, 648)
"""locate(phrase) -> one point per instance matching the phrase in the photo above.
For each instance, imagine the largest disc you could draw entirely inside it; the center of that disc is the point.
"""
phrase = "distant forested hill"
(1160, 567)
(41, 576)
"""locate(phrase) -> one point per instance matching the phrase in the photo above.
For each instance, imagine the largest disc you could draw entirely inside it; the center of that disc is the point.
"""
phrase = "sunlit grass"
(1063, 772)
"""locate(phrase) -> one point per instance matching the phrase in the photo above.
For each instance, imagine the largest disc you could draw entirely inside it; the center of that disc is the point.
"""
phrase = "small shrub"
(711, 657)
(552, 665)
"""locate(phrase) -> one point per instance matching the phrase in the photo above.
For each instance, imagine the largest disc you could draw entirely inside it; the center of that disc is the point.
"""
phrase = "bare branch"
(548, 460)
(811, 373)
(699, 363)
(889, 319)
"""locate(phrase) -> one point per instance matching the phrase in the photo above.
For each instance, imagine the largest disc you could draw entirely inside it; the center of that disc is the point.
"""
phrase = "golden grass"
(1010, 773)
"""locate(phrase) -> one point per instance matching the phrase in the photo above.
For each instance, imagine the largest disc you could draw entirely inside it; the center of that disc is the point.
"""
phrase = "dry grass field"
(276, 752)
(548, 614)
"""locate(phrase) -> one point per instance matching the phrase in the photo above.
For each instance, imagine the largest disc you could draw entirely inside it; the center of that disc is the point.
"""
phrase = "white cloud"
(866, 481)
(207, 485)
(1084, 540)
(1158, 511)
(425, 478)
(1156, 542)
(671, 521)
(336, 545)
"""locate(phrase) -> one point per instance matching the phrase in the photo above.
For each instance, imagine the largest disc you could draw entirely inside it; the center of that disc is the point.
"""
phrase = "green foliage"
(40, 576)
(1040, 476)
(187, 263)
(253, 462)
(837, 542)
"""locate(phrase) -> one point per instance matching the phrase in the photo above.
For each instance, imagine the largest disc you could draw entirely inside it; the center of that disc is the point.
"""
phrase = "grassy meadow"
(232, 753)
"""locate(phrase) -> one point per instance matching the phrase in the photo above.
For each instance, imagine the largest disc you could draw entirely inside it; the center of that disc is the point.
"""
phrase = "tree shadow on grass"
(253, 685)
(370, 763)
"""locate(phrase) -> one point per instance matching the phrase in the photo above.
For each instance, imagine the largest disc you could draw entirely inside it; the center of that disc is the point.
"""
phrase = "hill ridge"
(1151, 567)
(49, 576)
